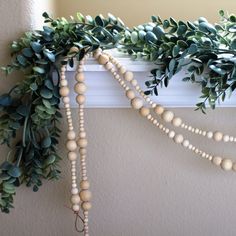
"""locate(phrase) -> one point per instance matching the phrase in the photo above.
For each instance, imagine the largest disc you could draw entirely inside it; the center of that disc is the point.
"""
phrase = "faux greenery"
(29, 112)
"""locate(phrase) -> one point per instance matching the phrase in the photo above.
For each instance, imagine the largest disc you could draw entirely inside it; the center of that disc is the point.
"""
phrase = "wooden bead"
(80, 99)
(86, 206)
(167, 116)
(159, 109)
(71, 145)
(80, 77)
(234, 166)
(74, 191)
(130, 94)
(63, 82)
(108, 66)
(177, 121)
(75, 207)
(226, 164)
(84, 184)
(66, 100)
(72, 156)
(103, 59)
(80, 88)
(82, 142)
(136, 103)
(178, 138)
(74, 49)
(82, 151)
(171, 134)
(216, 160)
(209, 134)
(71, 135)
(226, 138)
(85, 195)
(64, 91)
(75, 199)
(128, 76)
(144, 111)
(217, 136)
(186, 143)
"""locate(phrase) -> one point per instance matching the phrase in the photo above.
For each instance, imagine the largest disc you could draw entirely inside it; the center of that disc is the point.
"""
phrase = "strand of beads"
(137, 103)
(167, 115)
(71, 140)
(85, 194)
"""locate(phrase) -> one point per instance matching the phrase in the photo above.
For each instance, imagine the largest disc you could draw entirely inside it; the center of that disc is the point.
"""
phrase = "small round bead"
(178, 138)
(85, 195)
(66, 100)
(74, 191)
(108, 66)
(144, 111)
(226, 164)
(216, 160)
(171, 134)
(130, 94)
(71, 135)
(80, 88)
(167, 116)
(134, 82)
(86, 206)
(80, 77)
(63, 82)
(80, 99)
(136, 103)
(217, 136)
(177, 121)
(122, 70)
(72, 156)
(84, 184)
(226, 138)
(103, 59)
(75, 199)
(75, 207)
(185, 143)
(82, 142)
(82, 151)
(82, 134)
(209, 134)
(71, 145)
(159, 109)
(128, 76)
(74, 49)
(64, 91)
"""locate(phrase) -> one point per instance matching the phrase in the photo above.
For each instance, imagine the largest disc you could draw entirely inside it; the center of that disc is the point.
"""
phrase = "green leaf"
(50, 160)
(175, 51)
(23, 110)
(48, 83)
(158, 31)
(49, 55)
(45, 15)
(33, 86)
(36, 46)
(14, 172)
(150, 37)
(27, 52)
(21, 59)
(5, 100)
(46, 93)
(46, 143)
(5, 165)
(99, 21)
(134, 37)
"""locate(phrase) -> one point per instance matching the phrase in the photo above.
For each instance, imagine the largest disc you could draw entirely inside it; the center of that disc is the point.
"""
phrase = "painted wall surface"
(142, 183)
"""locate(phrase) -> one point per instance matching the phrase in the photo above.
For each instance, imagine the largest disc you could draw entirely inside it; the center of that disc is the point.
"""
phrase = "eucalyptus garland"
(30, 111)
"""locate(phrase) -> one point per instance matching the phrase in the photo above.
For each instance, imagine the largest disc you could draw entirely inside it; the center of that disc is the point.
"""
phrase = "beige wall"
(142, 183)
(134, 12)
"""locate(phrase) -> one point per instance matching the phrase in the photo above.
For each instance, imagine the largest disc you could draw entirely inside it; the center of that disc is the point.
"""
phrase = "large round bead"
(86, 206)
(216, 160)
(136, 103)
(64, 91)
(128, 76)
(82, 142)
(72, 156)
(177, 121)
(144, 111)
(85, 195)
(75, 199)
(159, 109)
(71, 135)
(71, 145)
(80, 88)
(226, 164)
(80, 77)
(84, 184)
(75, 207)
(178, 138)
(217, 136)
(130, 94)
(167, 116)
(103, 59)
(80, 99)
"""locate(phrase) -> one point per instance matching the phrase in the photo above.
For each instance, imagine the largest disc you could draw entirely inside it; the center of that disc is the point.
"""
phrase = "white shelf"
(104, 92)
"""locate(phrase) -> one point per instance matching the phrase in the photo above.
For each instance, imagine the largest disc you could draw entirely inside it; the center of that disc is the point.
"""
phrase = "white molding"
(104, 92)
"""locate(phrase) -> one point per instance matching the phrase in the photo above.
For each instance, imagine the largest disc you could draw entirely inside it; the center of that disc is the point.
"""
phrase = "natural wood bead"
(209, 134)
(186, 143)
(80, 77)
(80, 99)
(103, 59)
(167, 116)
(72, 156)
(226, 138)
(82, 134)
(144, 111)
(64, 91)
(74, 49)
(97, 53)
(122, 70)
(130, 94)
(178, 138)
(136, 103)
(80, 88)
(216, 160)
(108, 66)
(226, 164)
(63, 82)
(177, 121)
(82, 151)
(85, 195)
(74, 191)
(86, 206)
(218, 136)
(82, 142)
(134, 82)
(75, 199)
(71, 145)
(171, 134)
(71, 135)
(84, 184)
(234, 167)
(75, 207)
(128, 76)
(159, 109)
(66, 100)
